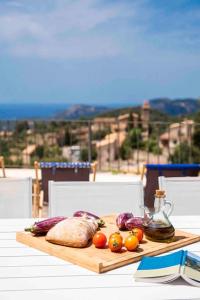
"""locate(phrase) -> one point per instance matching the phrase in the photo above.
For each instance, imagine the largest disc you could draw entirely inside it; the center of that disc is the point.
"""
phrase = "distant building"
(126, 120)
(120, 123)
(5, 133)
(103, 123)
(107, 149)
(82, 134)
(49, 138)
(26, 154)
(176, 134)
(71, 153)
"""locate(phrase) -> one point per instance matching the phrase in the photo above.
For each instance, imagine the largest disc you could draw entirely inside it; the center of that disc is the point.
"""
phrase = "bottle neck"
(159, 203)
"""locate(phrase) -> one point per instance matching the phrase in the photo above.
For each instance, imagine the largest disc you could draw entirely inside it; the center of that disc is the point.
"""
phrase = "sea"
(20, 111)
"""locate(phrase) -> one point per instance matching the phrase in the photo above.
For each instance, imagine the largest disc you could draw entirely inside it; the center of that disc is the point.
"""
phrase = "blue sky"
(98, 51)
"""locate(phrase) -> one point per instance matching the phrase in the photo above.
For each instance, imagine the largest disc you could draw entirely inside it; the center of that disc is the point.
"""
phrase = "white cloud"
(70, 29)
(14, 27)
(94, 28)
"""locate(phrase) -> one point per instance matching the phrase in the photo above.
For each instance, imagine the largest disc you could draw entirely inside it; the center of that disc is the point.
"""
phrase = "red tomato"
(99, 240)
(138, 232)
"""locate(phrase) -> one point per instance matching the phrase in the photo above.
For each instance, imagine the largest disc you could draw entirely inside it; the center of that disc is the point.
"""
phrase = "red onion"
(122, 218)
(134, 222)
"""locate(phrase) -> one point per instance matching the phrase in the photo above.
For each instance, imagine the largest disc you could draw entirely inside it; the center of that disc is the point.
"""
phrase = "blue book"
(169, 267)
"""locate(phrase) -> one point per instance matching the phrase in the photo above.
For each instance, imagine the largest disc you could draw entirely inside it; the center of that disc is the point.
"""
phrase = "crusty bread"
(72, 232)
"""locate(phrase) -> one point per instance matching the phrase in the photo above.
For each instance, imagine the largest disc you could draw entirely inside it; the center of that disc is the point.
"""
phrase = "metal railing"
(115, 145)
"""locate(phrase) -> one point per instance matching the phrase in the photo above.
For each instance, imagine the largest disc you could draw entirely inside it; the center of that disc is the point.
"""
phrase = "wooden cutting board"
(102, 260)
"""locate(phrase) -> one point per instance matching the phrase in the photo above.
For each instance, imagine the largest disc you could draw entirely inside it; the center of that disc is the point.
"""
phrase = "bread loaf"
(72, 232)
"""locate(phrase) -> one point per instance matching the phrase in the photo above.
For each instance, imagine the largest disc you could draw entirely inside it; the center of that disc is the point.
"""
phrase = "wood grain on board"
(102, 260)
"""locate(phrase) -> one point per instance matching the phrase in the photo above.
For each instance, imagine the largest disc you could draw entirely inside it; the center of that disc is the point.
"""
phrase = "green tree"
(21, 127)
(196, 138)
(132, 141)
(130, 122)
(125, 150)
(184, 153)
(69, 138)
(54, 125)
(100, 134)
(135, 138)
(41, 127)
(4, 148)
(152, 146)
(84, 154)
(39, 151)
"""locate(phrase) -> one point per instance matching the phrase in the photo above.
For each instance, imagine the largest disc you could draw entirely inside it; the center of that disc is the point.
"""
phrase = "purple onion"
(82, 213)
(121, 220)
(134, 222)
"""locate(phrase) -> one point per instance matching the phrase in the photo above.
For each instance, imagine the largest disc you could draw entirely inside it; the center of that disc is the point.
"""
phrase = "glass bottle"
(157, 226)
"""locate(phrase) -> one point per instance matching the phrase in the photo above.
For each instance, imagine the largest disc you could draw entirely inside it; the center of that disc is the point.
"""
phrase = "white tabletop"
(26, 273)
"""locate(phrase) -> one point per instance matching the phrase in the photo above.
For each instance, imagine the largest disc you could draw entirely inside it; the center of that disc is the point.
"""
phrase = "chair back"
(183, 192)
(15, 197)
(100, 198)
(153, 171)
(63, 171)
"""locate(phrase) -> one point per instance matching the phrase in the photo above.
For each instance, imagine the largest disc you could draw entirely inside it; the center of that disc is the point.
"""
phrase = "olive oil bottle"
(157, 226)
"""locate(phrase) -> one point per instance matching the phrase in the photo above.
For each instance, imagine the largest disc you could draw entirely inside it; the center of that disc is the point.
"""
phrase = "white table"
(26, 273)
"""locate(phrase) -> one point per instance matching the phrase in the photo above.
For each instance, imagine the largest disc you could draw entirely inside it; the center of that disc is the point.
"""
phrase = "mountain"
(80, 111)
(176, 107)
(162, 109)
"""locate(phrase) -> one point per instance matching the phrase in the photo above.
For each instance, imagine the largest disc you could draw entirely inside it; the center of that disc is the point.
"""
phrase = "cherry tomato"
(131, 242)
(138, 232)
(99, 240)
(115, 242)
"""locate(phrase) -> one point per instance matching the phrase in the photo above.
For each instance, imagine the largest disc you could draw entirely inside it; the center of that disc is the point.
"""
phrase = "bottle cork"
(160, 193)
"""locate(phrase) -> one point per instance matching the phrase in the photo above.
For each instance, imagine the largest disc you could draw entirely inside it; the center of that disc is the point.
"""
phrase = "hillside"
(80, 111)
(176, 107)
(120, 111)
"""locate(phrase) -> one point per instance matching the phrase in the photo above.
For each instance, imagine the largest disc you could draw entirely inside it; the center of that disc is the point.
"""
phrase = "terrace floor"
(100, 176)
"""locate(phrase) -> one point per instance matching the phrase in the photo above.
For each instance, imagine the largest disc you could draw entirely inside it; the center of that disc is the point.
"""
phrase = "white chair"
(184, 192)
(101, 198)
(15, 197)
